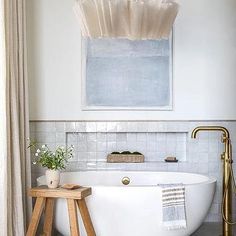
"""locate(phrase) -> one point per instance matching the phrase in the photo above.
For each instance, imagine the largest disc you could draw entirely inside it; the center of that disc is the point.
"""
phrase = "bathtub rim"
(210, 179)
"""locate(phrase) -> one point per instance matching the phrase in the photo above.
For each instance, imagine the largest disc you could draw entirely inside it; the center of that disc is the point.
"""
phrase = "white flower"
(62, 147)
(38, 151)
(43, 146)
(54, 154)
(34, 162)
(36, 154)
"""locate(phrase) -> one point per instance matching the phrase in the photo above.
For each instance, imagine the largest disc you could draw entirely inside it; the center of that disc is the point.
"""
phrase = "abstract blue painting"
(125, 74)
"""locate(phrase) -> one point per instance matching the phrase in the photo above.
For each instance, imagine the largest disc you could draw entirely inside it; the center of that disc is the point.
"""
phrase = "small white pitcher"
(52, 178)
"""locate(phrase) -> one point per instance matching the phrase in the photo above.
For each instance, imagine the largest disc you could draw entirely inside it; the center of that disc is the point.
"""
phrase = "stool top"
(44, 191)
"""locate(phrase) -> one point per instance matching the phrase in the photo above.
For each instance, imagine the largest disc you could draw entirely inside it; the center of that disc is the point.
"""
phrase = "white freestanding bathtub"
(135, 209)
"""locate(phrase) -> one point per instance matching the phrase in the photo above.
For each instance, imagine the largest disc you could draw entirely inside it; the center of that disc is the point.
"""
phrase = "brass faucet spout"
(210, 128)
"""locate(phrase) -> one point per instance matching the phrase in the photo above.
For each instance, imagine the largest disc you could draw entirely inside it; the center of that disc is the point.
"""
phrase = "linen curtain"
(131, 19)
(14, 121)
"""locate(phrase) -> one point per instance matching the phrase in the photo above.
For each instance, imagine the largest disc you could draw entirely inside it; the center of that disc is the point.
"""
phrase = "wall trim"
(132, 120)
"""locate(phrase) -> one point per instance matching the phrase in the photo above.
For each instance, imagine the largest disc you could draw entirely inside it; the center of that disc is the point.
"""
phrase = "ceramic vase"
(52, 178)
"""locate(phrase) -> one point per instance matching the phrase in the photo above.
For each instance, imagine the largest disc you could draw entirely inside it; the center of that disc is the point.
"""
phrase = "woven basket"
(126, 158)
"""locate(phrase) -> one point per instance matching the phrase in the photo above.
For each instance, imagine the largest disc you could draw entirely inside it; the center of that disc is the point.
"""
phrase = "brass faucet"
(226, 157)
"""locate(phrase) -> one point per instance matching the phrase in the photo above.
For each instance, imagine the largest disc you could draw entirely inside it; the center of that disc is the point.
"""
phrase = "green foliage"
(127, 152)
(52, 160)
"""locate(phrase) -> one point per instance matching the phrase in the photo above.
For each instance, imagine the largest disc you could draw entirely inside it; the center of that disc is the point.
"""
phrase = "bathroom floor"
(209, 229)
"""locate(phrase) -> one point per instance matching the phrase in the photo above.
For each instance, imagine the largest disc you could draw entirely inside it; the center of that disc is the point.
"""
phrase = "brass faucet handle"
(222, 156)
(223, 138)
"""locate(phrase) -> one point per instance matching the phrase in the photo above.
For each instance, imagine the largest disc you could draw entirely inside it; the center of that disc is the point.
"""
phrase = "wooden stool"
(45, 197)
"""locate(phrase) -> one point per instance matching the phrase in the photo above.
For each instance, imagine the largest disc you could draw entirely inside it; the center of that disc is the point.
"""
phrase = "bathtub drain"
(125, 180)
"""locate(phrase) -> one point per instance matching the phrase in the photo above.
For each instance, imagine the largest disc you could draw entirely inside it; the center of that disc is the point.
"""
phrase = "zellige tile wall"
(156, 140)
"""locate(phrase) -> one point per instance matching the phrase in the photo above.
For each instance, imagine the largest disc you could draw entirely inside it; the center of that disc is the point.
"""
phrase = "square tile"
(121, 137)
(101, 146)
(111, 146)
(91, 127)
(91, 146)
(131, 137)
(101, 137)
(101, 127)
(141, 137)
(111, 126)
(111, 137)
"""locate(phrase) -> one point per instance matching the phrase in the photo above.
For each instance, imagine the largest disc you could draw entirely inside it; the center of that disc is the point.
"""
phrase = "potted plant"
(53, 161)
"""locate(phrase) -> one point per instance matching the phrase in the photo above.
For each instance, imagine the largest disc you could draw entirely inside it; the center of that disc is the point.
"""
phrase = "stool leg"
(74, 228)
(86, 217)
(37, 212)
(48, 221)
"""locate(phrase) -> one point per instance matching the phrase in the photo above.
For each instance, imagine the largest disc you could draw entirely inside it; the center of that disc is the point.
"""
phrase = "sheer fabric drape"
(14, 122)
(3, 131)
(132, 19)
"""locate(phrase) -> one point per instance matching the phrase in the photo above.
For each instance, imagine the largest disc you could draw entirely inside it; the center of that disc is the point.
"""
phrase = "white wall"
(204, 63)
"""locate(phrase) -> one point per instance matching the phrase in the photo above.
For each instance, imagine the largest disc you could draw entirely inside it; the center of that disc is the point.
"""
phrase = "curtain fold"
(131, 19)
(15, 157)
(3, 130)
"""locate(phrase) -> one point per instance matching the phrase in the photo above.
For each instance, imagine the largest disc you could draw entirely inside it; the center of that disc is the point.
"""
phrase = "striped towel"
(173, 206)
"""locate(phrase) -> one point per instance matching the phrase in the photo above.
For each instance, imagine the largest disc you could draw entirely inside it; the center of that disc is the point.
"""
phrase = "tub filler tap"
(228, 176)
